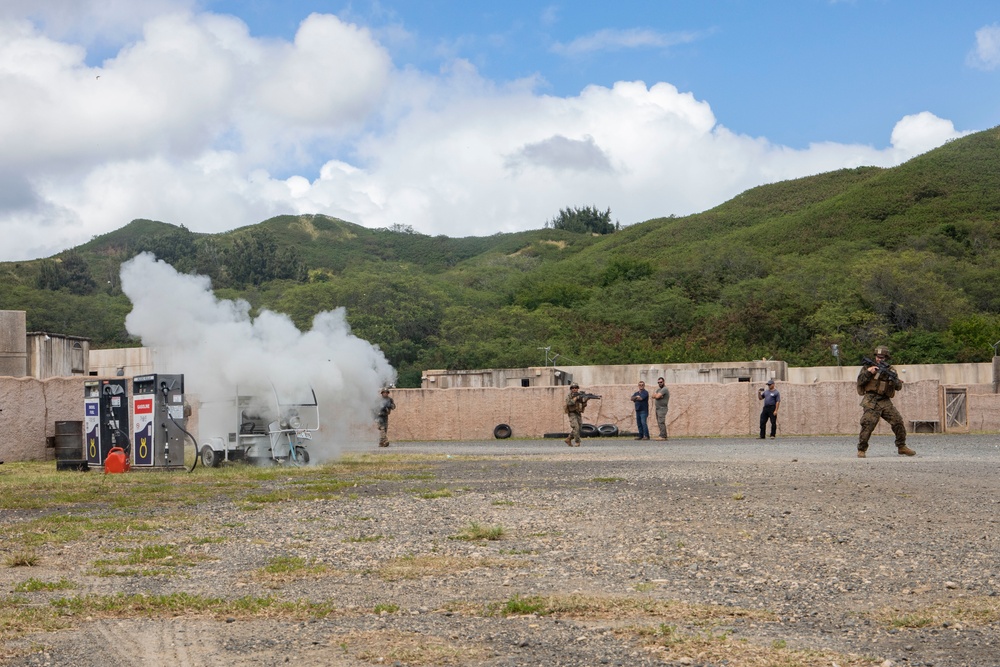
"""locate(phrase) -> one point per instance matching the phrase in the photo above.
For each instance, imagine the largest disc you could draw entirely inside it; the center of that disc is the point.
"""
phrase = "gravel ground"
(688, 552)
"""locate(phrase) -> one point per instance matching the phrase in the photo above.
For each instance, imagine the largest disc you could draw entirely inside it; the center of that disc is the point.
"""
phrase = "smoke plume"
(220, 349)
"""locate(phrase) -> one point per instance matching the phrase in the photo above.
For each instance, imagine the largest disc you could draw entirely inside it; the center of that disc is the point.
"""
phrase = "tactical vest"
(878, 385)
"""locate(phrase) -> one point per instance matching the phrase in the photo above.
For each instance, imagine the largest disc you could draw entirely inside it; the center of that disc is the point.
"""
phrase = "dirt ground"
(688, 552)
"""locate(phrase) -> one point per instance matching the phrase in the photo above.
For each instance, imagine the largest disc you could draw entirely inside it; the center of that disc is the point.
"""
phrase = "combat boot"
(905, 451)
(569, 442)
(861, 454)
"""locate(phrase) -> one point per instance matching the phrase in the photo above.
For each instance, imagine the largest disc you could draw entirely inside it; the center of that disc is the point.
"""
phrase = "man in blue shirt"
(641, 400)
(772, 399)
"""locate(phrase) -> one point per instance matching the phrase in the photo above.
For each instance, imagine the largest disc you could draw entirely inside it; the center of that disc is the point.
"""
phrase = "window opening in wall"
(525, 382)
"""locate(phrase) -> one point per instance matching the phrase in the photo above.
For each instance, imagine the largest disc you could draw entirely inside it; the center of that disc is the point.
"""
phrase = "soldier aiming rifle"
(576, 403)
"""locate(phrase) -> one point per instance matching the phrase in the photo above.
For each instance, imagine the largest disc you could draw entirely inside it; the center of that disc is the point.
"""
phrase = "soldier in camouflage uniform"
(386, 405)
(575, 405)
(878, 390)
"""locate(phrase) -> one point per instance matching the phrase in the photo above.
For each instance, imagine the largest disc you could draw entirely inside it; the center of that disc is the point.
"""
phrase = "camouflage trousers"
(879, 407)
(383, 432)
(575, 424)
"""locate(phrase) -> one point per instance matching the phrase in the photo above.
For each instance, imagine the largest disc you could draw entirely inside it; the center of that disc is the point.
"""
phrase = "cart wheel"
(302, 455)
(210, 458)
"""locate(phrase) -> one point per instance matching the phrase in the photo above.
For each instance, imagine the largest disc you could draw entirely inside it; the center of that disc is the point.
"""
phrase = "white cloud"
(922, 132)
(199, 123)
(616, 40)
(986, 54)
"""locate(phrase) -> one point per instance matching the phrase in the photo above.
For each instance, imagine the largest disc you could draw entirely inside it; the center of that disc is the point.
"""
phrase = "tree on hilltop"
(586, 220)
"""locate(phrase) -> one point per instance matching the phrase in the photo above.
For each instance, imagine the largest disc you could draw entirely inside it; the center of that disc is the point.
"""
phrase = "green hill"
(909, 256)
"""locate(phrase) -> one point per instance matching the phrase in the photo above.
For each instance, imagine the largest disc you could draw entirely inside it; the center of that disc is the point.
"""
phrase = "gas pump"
(158, 421)
(105, 407)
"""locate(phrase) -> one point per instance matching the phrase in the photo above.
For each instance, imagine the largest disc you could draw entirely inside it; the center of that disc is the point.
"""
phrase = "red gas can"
(116, 461)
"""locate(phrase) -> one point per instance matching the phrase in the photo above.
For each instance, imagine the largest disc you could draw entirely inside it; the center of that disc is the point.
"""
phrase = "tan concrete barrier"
(31, 407)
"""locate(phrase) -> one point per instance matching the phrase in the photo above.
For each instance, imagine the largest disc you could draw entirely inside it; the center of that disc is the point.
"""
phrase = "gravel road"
(687, 552)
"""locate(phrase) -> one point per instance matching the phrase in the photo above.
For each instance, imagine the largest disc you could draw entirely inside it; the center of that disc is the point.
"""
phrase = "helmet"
(574, 386)
(882, 351)
(385, 390)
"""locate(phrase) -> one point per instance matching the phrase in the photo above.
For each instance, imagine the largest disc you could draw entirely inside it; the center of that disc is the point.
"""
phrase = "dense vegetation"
(908, 256)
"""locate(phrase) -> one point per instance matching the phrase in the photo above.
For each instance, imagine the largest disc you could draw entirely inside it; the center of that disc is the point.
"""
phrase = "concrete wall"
(962, 374)
(722, 372)
(13, 343)
(30, 408)
(730, 409)
(541, 376)
(132, 360)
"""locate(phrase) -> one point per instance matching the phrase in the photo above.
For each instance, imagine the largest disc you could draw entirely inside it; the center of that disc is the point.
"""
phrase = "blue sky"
(461, 118)
(794, 71)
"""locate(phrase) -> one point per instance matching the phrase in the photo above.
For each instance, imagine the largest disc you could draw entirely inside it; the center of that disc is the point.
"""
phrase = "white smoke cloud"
(219, 348)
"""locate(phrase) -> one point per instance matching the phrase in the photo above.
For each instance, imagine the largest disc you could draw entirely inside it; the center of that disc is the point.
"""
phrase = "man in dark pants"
(772, 399)
(641, 400)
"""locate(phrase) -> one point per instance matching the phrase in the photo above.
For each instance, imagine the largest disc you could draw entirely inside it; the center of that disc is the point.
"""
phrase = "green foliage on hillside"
(908, 256)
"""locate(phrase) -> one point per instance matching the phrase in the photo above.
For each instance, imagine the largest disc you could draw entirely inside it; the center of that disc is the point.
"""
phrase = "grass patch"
(475, 531)
(33, 585)
(629, 607)
(431, 494)
(386, 647)
(673, 645)
(606, 480)
(23, 559)
(174, 604)
(20, 616)
(971, 611)
(387, 608)
(519, 606)
(414, 567)
(147, 560)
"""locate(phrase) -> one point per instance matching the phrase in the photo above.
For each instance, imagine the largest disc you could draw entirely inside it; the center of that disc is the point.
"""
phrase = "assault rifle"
(587, 396)
(883, 368)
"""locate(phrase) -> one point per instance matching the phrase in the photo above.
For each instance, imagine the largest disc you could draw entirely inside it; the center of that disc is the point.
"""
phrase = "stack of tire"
(590, 431)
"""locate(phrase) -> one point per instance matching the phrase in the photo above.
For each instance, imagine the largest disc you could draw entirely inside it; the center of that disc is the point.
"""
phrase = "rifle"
(883, 368)
(586, 396)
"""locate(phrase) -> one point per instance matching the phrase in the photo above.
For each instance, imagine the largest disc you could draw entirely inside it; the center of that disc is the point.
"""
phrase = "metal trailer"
(275, 429)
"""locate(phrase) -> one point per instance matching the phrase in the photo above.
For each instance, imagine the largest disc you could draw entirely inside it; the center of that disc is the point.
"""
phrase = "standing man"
(576, 403)
(878, 383)
(772, 399)
(386, 406)
(661, 401)
(641, 400)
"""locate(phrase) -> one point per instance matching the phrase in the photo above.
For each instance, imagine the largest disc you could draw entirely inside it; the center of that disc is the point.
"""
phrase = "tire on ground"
(608, 430)
(502, 432)
(589, 431)
(561, 436)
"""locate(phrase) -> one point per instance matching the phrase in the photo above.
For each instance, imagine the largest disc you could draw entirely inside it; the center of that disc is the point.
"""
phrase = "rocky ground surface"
(687, 552)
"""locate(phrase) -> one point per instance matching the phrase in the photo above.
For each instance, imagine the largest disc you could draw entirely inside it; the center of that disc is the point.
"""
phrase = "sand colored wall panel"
(31, 407)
